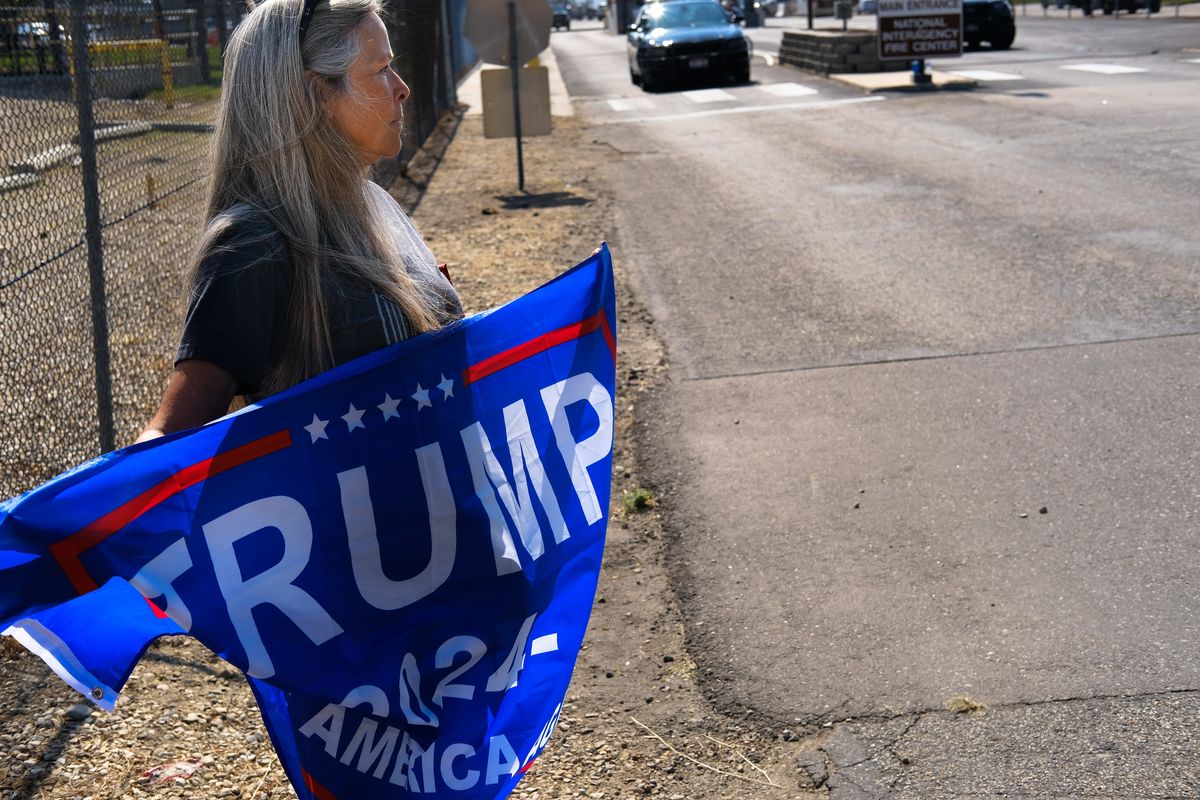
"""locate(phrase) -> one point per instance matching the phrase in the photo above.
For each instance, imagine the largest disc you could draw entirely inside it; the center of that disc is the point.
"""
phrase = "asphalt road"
(931, 429)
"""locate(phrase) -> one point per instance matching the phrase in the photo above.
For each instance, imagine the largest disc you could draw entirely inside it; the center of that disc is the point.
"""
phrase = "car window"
(685, 15)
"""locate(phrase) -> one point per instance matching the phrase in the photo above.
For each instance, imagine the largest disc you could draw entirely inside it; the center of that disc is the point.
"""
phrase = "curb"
(872, 82)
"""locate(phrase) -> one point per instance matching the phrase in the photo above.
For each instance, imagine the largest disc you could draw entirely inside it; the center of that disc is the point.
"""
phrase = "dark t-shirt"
(238, 312)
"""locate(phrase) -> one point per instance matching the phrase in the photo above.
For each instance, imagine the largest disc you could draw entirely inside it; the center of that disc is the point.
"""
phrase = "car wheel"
(741, 75)
(1004, 40)
(633, 76)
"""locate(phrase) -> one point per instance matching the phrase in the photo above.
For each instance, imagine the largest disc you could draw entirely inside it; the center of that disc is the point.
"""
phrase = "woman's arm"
(198, 392)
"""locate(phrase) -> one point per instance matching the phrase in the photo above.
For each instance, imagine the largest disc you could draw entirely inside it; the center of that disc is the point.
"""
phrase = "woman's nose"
(402, 91)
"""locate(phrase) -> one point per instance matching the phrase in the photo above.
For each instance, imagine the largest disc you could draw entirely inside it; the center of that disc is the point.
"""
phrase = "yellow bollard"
(168, 82)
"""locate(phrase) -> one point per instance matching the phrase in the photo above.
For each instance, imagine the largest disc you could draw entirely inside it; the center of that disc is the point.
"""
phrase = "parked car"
(990, 21)
(29, 33)
(562, 16)
(672, 41)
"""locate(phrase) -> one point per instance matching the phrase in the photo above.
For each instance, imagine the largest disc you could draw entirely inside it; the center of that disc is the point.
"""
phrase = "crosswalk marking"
(630, 103)
(708, 95)
(810, 105)
(987, 75)
(1105, 69)
(787, 89)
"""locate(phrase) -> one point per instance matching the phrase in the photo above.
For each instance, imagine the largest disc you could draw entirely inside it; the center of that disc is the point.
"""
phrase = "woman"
(304, 264)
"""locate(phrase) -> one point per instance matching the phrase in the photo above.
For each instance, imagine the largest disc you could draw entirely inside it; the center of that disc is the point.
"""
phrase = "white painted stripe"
(630, 103)
(815, 105)
(544, 644)
(1191, 61)
(987, 75)
(770, 58)
(787, 89)
(708, 95)
(1104, 69)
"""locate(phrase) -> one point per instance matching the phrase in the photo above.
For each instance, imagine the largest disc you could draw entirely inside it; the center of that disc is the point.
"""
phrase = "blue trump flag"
(401, 553)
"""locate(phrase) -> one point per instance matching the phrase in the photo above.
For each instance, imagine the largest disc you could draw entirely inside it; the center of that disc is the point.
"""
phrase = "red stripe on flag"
(67, 551)
(319, 791)
(158, 612)
(492, 365)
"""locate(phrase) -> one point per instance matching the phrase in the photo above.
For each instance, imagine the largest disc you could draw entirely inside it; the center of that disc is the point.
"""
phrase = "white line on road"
(1104, 69)
(810, 106)
(708, 95)
(770, 58)
(787, 89)
(630, 103)
(987, 75)
(1191, 61)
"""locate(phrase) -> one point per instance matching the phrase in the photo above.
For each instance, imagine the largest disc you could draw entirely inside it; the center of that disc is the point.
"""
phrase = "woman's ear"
(318, 86)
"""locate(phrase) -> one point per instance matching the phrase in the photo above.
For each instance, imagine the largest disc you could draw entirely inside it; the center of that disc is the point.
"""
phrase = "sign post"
(510, 33)
(516, 90)
(913, 30)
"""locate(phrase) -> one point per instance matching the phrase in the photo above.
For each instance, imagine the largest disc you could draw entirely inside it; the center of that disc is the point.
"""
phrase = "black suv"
(990, 21)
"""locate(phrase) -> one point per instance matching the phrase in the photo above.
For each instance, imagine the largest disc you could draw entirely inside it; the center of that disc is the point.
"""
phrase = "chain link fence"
(105, 121)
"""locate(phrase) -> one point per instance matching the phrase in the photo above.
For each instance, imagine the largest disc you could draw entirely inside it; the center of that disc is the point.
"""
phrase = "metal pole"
(516, 88)
(57, 49)
(446, 23)
(201, 24)
(222, 25)
(809, 4)
(91, 211)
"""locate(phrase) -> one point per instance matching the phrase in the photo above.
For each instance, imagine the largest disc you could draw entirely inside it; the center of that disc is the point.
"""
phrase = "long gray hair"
(277, 152)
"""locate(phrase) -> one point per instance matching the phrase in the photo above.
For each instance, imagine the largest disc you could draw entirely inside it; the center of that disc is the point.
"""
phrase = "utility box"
(497, 89)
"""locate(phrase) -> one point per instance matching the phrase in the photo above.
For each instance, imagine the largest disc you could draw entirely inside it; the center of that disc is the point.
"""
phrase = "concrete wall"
(827, 52)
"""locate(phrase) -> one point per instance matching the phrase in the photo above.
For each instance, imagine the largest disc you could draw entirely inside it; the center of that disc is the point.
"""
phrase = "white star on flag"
(353, 419)
(317, 429)
(447, 387)
(422, 398)
(388, 407)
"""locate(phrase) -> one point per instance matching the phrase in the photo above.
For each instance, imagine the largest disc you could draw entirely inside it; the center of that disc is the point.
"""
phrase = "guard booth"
(620, 14)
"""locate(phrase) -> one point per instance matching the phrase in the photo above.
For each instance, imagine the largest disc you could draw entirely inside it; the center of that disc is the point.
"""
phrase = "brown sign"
(915, 29)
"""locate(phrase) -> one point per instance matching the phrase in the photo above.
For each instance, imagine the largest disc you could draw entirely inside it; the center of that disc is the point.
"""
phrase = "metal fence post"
(91, 209)
(201, 23)
(448, 95)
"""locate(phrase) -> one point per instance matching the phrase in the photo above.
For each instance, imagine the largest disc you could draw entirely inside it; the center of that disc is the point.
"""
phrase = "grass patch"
(964, 705)
(638, 500)
(192, 93)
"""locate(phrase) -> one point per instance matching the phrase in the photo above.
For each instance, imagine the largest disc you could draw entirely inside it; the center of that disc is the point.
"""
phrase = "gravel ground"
(635, 725)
